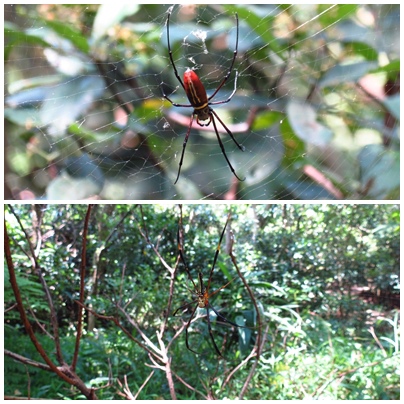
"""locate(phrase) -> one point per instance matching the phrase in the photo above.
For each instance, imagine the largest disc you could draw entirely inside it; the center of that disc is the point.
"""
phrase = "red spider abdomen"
(195, 90)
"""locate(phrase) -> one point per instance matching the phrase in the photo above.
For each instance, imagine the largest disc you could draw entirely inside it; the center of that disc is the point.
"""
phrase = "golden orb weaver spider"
(203, 293)
(201, 103)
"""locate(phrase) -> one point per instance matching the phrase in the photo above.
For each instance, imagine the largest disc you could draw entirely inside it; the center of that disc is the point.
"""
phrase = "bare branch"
(189, 386)
(140, 331)
(250, 292)
(63, 371)
(27, 361)
(82, 284)
(146, 237)
(143, 385)
(118, 324)
(38, 271)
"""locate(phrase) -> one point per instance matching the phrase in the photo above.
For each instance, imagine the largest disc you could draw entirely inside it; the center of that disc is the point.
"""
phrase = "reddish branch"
(234, 128)
(64, 371)
(322, 180)
(32, 255)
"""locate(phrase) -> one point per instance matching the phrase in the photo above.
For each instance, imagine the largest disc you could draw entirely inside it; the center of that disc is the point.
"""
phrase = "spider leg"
(183, 257)
(231, 66)
(221, 144)
(184, 145)
(174, 103)
(222, 287)
(217, 253)
(186, 330)
(225, 319)
(242, 148)
(170, 53)
(211, 333)
(231, 95)
(184, 306)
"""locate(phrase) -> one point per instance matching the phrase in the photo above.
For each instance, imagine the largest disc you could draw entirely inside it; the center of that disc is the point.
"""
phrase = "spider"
(201, 103)
(202, 292)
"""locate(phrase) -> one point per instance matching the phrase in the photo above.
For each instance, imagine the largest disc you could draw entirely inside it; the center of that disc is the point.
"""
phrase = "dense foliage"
(325, 279)
(316, 108)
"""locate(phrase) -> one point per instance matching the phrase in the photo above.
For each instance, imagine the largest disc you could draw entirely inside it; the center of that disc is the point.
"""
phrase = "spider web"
(316, 105)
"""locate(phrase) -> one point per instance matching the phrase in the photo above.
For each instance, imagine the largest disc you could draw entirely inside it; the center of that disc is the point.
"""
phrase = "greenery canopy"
(98, 286)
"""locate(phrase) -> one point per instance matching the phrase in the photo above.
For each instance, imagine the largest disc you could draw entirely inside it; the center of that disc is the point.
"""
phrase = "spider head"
(203, 115)
(202, 300)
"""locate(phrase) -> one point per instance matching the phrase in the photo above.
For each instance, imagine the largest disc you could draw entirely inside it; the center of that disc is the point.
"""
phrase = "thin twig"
(140, 331)
(342, 375)
(143, 385)
(172, 271)
(189, 386)
(146, 237)
(128, 394)
(82, 285)
(372, 332)
(250, 292)
(39, 324)
(23, 316)
(27, 361)
(119, 325)
(38, 271)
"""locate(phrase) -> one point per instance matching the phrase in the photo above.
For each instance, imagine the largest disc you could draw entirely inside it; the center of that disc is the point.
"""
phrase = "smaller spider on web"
(202, 292)
(201, 103)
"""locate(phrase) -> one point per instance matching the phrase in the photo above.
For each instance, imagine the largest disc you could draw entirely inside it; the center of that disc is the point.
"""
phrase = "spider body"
(197, 96)
(201, 103)
(202, 294)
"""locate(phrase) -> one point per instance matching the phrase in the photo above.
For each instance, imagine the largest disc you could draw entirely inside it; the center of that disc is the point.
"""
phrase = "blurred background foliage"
(85, 116)
(326, 278)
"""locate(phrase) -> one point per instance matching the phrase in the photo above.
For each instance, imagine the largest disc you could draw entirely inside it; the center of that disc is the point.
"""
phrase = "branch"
(63, 371)
(250, 292)
(27, 361)
(23, 316)
(108, 242)
(163, 348)
(38, 271)
(143, 385)
(234, 128)
(341, 375)
(172, 271)
(119, 325)
(189, 386)
(253, 368)
(82, 284)
(146, 237)
(167, 362)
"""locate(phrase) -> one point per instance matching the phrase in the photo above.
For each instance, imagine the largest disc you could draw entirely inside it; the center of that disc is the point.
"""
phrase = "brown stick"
(63, 371)
(82, 283)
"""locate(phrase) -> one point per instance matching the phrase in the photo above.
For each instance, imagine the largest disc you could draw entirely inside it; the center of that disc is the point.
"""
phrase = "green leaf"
(73, 98)
(381, 169)
(303, 119)
(260, 21)
(393, 105)
(72, 35)
(66, 187)
(362, 49)
(337, 13)
(341, 74)
(110, 14)
(13, 37)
